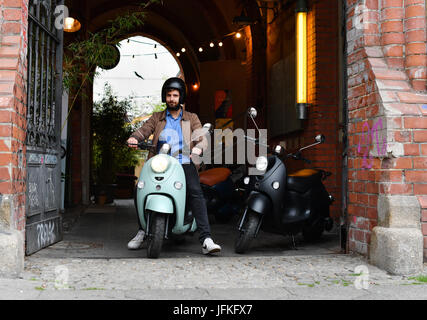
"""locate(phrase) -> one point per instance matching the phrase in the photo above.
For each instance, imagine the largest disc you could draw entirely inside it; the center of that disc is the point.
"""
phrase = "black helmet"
(177, 84)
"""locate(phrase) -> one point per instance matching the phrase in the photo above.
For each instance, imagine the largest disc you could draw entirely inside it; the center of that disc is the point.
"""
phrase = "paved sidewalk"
(297, 277)
(93, 263)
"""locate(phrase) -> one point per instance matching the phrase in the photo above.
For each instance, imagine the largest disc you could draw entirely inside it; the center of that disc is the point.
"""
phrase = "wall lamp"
(301, 58)
(71, 25)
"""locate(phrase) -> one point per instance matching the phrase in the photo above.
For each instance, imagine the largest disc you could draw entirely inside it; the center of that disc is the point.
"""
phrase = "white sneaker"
(210, 247)
(136, 242)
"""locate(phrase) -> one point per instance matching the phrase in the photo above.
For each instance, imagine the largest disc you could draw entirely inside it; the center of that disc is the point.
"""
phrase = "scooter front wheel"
(156, 234)
(245, 237)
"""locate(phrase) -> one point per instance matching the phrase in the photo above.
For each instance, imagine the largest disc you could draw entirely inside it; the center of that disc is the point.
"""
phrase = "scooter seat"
(304, 173)
(303, 180)
(214, 176)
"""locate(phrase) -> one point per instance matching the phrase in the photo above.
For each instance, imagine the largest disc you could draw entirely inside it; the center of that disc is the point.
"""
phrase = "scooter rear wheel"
(312, 233)
(156, 234)
(245, 237)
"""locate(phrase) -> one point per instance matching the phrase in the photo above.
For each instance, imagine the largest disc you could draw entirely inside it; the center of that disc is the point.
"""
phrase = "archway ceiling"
(175, 22)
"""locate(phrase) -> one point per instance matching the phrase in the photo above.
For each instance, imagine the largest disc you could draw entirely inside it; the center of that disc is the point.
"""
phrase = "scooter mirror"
(320, 138)
(252, 112)
(207, 127)
(165, 148)
(278, 149)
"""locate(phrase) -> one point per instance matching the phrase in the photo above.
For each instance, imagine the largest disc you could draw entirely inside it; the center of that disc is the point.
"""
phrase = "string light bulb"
(178, 54)
(238, 35)
(211, 44)
(220, 44)
(183, 50)
(200, 49)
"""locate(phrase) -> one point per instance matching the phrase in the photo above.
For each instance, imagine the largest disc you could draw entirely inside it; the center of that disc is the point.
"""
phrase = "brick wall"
(13, 74)
(386, 79)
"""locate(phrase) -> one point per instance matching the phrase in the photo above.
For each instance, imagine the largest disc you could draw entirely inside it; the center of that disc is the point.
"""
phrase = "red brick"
(411, 149)
(392, 26)
(392, 3)
(415, 23)
(415, 48)
(416, 60)
(12, 3)
(371, 213)
(403, 163)
(423, 201)
(420, 136)
(393, 51)
(415, 11)
(420, 189)
(396, 188)
(392, 13)
(424, 149)
(12, 14)
(420, 163)
(11, 28)
(416, 176)
(9, 63)
(415, 35)
(415, 123)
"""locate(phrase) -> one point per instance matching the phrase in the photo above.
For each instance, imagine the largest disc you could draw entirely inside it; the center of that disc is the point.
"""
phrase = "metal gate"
(45, 49)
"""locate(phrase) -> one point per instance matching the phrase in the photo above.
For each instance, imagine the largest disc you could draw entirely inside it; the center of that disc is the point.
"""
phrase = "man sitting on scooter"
(182, 123)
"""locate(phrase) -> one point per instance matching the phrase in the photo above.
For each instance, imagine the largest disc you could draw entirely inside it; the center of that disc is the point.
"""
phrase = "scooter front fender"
(159, 203)
(259, 203)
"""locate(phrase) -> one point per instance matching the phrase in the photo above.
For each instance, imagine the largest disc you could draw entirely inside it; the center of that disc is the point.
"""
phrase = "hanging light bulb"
(211, 44)
(183, 50)
(220, 44)
(178, 54)
(200, 49)
(238, 35)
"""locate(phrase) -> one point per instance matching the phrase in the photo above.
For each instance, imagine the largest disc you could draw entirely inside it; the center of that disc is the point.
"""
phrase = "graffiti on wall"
(369, 136)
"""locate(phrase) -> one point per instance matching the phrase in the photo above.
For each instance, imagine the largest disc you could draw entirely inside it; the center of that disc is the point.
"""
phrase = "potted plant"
(110, 131)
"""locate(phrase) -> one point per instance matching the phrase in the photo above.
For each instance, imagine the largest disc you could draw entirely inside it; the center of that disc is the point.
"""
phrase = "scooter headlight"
(276, 185)
(246, 180)
(141, 184)
(159, 163)
(261, 163)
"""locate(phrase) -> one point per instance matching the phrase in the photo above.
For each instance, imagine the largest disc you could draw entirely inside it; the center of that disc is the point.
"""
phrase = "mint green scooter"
(161, 200)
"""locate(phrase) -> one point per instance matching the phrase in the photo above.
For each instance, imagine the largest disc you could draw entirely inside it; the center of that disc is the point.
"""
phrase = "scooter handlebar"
(142, 145)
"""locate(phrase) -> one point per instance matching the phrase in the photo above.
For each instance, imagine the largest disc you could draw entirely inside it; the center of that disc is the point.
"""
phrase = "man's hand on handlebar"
(132, 142)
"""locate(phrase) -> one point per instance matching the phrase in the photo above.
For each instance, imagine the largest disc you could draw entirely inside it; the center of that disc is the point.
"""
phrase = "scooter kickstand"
(293, 242)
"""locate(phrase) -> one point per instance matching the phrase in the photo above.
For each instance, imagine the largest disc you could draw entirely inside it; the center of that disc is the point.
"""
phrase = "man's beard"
(173, 108)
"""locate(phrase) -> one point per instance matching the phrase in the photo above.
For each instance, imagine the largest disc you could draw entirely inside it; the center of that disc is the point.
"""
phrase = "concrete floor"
(104, 231)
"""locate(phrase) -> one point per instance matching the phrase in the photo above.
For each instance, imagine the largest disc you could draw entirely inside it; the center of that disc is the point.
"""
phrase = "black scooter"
(222, 188)
(284, 203)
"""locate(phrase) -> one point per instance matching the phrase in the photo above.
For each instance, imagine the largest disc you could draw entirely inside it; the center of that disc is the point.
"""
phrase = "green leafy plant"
(111, 129)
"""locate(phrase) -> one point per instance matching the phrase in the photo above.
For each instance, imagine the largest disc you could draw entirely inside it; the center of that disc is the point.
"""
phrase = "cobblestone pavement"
(297, 277)
(67, 271)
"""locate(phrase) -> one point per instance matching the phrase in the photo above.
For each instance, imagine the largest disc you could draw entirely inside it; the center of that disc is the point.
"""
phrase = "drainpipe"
(344, 225)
